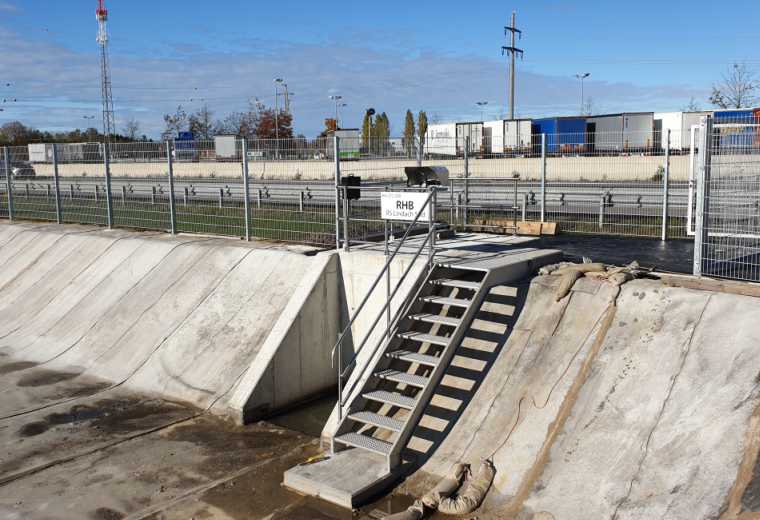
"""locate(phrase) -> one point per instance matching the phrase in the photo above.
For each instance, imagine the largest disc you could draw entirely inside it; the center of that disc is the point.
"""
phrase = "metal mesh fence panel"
(731, 223)
(81, 170)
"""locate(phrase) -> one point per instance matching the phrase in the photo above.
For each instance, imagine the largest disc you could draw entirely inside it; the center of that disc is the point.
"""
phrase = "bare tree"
(175, 123)
(693, 106)
(737, 89)
(131, 129)
(201, 123)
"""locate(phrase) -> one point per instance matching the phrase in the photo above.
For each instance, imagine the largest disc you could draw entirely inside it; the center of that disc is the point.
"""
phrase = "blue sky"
(441, 56)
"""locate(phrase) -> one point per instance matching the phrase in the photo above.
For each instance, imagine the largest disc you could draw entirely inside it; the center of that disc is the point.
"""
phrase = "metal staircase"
(381, 416)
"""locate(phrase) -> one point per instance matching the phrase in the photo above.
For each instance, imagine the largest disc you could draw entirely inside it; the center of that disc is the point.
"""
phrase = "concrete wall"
(623, 168)
(188, 318)
(240, 329)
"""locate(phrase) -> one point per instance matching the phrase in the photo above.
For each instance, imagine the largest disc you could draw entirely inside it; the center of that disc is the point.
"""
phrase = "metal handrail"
(428, 240)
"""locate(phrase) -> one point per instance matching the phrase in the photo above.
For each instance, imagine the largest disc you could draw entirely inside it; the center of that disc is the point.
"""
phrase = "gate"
(727, 234)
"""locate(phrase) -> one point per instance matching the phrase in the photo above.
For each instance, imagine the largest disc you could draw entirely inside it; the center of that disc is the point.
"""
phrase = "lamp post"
(277, 83)
(482, 105)
(370, 113)
(582, 76)
(337, 99)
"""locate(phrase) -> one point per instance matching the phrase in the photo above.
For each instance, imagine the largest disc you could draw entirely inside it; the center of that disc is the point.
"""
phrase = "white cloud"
(7, 7)
(56, 86)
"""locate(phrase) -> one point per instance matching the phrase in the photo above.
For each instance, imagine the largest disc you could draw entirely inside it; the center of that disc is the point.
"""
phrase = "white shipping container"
(518, 134)
(493, 136)
(225, 146)
(40, 152)
(472, 130)
(606, 132)
(679, 124)
(440, 139)
(638, 131)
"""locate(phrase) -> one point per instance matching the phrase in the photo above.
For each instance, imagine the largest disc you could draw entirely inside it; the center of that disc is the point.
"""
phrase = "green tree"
(409, 134)
(366, 130)
(422, 127)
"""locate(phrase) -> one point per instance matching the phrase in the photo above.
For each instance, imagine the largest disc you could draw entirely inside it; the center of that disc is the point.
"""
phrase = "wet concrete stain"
(16, 367)
(107, 415)
(105, 513)
(46, 377)
(751, 496)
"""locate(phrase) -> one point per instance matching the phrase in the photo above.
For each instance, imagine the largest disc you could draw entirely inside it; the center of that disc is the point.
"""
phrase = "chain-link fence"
(727, 241)
(628, 184)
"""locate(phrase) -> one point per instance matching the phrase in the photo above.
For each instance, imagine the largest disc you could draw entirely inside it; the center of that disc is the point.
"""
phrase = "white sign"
(404, 205)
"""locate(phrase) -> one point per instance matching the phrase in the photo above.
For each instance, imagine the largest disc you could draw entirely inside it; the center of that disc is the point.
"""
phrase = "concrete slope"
(183, 318)
(638, 406)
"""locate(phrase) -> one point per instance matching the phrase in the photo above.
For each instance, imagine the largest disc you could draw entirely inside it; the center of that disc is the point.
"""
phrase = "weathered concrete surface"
(643, 408)
(185, 318)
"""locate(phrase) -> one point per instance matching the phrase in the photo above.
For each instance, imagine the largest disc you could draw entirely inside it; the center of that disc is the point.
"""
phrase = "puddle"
(308, 419)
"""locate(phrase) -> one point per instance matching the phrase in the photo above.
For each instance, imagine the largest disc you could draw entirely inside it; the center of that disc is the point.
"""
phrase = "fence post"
(109, 198)
(246, 191)
(524, 207)
(451, 204)
(300, 202)
(601, 211)
(703, 191)
(665, 190)
(543, 177)
(9, 182)
(172, 208)
(346, 209)
(336, 158)
(466, 180)
(221, 198)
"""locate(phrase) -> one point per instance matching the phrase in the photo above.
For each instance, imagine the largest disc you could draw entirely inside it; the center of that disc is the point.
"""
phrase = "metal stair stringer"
(423, 398)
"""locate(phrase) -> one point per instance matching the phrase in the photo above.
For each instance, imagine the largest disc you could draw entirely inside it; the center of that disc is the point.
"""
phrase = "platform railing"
(429, 243)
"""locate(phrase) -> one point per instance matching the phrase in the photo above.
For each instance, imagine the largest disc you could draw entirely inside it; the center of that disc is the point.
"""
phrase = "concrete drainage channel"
(128, 363)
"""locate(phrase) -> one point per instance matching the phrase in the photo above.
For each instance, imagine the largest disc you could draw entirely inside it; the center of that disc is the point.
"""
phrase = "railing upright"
(57, 187)
(8, 180)
(665, 190)
(109, 195)
(172, 201)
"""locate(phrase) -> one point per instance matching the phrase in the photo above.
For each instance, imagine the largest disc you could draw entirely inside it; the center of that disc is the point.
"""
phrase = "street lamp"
(277, 83)
(581, 77)
(337, 104)
(482, 105)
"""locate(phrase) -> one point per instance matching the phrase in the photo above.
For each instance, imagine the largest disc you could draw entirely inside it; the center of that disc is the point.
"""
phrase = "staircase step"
(358, 440)
(403, 377)
(414, 357)
(459, 284)
(423, 337)
(392, 398)
(435, 318)
(442, 300)
(378, 420)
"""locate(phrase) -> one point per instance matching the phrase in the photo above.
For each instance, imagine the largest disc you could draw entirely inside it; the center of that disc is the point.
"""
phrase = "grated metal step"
(442, 300)
(414, 357)
(391, 398)
(402, 377)
(459, 284)
(375, 419)
(424, 337)
(365, 442)
(436, 318)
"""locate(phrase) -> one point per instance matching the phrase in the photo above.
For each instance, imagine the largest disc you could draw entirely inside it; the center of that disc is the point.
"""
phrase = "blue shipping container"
(736, 135)
(563, 134)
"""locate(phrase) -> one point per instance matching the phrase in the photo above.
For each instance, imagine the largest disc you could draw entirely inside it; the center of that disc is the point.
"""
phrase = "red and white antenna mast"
(105, 72)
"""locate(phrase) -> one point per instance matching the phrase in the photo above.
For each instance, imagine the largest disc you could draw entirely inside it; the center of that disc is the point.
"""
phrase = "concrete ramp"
(193, 319)
(638, 405)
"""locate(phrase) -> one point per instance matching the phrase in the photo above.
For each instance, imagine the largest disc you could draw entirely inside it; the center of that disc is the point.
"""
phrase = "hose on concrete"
(473, 492)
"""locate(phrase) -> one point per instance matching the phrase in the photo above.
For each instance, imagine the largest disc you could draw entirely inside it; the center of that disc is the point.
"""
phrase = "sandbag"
(567, 282)
(446, 487)
(582, 268)
(473, 492)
